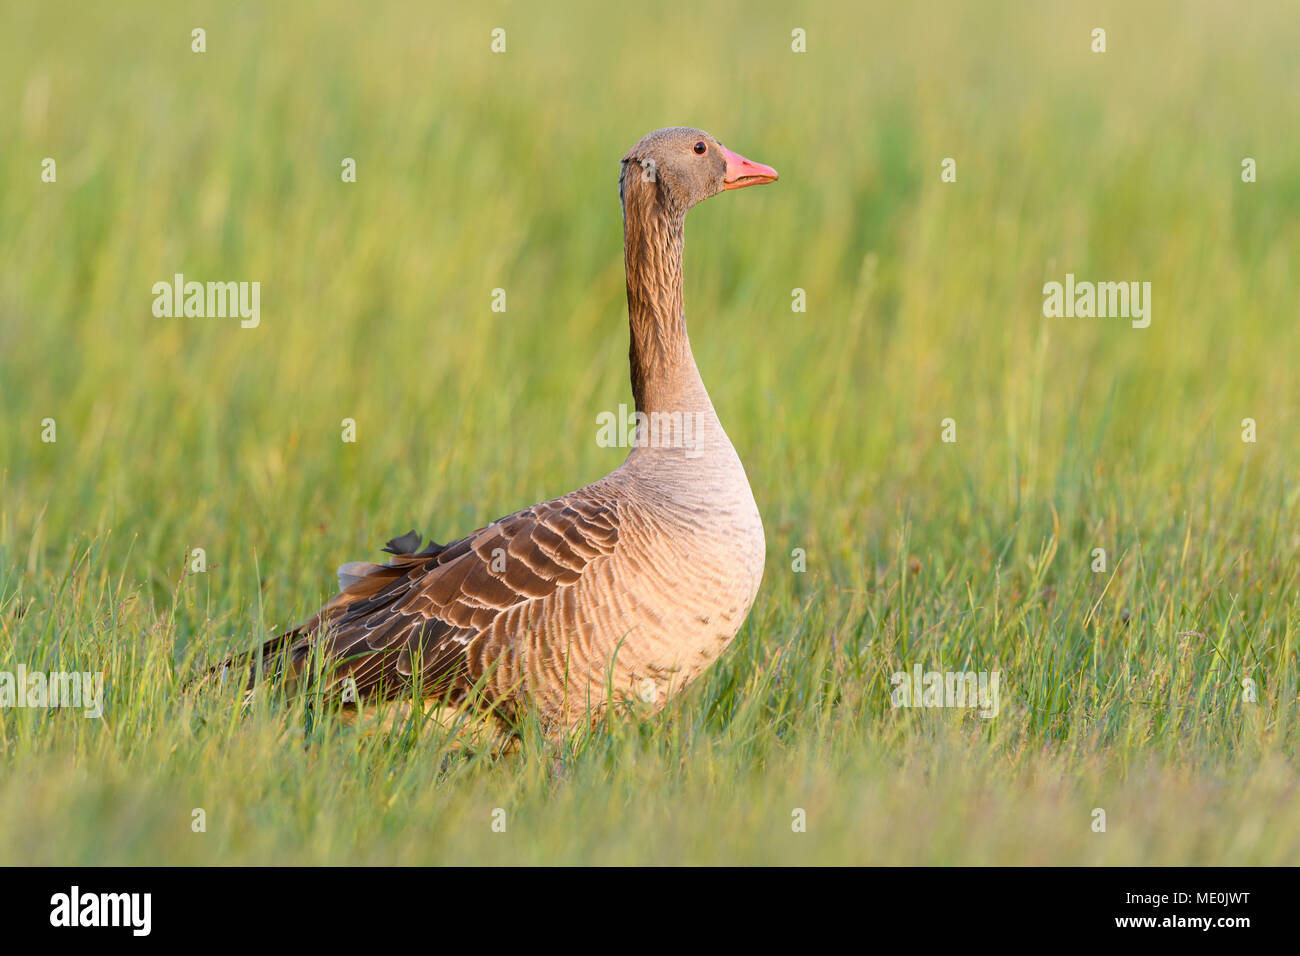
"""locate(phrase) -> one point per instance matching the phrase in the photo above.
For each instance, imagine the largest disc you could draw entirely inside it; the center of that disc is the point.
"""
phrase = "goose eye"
(700, 147)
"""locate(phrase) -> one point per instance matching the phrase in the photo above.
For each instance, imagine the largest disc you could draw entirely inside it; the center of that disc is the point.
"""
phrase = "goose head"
(686, 167)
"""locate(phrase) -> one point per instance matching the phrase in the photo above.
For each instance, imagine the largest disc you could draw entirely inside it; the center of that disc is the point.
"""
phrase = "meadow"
(1160, 689)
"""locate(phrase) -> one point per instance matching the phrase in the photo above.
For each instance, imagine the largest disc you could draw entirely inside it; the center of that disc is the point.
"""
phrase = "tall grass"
(1122, 690)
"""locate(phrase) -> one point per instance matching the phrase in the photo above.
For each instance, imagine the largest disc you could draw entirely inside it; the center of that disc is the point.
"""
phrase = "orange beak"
(742, 172)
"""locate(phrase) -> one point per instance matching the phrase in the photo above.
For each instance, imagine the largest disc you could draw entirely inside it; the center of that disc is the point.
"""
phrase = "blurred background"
(479, 171)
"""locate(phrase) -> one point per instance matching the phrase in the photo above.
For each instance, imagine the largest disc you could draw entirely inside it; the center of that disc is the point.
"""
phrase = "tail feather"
(354, 572)
(358, 580)
(270, 655)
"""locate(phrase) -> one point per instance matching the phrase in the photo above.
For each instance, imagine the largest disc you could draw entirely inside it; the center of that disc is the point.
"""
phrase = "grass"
(1122, 690)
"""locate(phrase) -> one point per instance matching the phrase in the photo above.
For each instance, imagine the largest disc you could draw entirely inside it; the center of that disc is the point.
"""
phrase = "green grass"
(1121, 690)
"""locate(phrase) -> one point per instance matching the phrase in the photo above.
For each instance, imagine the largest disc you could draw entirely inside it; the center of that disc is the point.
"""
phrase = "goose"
(622, 592)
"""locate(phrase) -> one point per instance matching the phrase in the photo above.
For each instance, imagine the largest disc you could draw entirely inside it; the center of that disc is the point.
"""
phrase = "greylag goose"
(621, 592)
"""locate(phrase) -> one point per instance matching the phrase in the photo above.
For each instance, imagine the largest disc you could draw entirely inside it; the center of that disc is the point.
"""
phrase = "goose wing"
(420, 615)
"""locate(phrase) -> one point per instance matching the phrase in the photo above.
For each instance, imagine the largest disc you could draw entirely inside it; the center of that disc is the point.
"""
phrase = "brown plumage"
(624, 590)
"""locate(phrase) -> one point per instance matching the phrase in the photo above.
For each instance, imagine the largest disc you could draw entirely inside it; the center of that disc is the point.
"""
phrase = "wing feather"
(419, 616)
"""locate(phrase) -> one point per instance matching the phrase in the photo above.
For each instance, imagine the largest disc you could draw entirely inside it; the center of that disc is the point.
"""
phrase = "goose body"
(622, 591)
